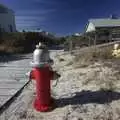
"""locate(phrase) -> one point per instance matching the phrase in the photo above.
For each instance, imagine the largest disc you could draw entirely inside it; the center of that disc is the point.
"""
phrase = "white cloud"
(29, 21)
(34, 12)
(30, 18)
(27, 26)
(33, 17)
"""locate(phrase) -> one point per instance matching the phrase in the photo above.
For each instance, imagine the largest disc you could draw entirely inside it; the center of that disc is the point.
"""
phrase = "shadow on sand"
(86, 97)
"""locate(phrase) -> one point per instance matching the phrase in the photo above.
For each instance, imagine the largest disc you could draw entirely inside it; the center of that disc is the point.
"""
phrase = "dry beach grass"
(89, 89)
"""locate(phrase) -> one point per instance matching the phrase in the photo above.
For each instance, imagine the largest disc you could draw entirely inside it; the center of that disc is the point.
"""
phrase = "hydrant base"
(43, 108)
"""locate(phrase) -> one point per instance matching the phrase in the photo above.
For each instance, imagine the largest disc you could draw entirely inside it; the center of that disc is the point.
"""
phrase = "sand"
(82, 93)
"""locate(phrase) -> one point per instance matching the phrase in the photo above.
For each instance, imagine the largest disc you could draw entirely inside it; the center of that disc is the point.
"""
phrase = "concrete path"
(13, 78)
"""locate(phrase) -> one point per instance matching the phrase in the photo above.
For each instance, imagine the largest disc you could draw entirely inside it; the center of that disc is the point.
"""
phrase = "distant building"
(77, 34)
(7, 19)
(109, 26)
(95, 24)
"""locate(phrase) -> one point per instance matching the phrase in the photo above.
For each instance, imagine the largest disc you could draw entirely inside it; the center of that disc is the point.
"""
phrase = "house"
(109, 28)
(7, 19)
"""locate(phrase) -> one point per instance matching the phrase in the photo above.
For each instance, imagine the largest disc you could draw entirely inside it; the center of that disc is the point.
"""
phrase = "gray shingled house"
(105, 29)
(7, 19)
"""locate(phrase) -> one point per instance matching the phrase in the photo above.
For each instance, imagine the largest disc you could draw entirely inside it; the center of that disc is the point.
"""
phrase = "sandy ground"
(82, 93)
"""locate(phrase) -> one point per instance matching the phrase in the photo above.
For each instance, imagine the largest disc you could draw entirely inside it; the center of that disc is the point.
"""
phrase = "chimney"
(113, 16)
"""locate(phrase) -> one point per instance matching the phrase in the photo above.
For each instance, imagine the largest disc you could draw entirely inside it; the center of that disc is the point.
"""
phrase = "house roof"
(105, 22)
(4, 9)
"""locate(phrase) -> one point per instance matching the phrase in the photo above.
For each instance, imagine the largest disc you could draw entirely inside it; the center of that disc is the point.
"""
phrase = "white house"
(102, 23)
(7, 19)
(110, 28)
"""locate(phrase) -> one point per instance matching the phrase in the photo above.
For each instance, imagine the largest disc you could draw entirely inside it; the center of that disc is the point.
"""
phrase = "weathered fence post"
(95, 42)
(70, 47)
(89, 41)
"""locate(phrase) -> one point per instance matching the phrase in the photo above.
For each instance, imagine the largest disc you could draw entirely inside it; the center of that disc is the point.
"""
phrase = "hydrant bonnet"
(40, 56)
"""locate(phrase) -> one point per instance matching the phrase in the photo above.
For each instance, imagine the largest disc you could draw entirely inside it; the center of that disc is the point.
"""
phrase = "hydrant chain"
(56, 83)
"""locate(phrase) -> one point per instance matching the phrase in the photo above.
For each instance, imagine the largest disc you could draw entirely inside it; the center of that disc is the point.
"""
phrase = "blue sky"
(61, 17)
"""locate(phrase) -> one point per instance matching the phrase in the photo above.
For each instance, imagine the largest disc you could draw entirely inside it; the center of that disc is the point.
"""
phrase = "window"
(11, 28)
(0, 28)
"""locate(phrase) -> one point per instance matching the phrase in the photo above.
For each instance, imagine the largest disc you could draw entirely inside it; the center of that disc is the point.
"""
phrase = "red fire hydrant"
(43, 101)
(42, 74)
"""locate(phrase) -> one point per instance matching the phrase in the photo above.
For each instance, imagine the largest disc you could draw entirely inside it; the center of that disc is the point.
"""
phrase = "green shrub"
(23, 42)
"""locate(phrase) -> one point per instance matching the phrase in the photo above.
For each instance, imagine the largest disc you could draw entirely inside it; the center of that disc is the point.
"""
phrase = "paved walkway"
(13, 78)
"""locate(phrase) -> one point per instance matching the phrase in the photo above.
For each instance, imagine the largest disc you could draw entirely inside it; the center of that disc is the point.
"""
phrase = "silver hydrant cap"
(40, 45)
